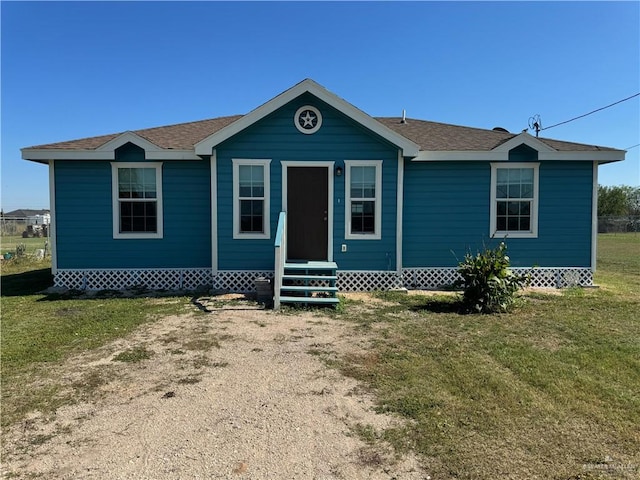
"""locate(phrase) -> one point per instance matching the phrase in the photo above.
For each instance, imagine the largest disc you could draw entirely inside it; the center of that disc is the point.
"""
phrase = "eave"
(107, 150)
(501, 153)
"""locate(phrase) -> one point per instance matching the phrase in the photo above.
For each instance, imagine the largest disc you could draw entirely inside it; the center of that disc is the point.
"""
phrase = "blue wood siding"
(85, 226)
(275, 137)
(447, 214)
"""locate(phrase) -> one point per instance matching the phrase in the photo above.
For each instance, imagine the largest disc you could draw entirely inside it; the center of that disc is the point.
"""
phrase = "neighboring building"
(392, 202)
(24, 213)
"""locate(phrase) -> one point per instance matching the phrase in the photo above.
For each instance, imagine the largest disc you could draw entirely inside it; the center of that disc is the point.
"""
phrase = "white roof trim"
(205, 147)
(44, 155)
(494, 156)
(460, 156)
(106, 151)
(528, 140)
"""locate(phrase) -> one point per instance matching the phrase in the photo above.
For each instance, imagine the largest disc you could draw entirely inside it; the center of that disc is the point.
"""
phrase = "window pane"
(138, 217)
(137, 183)
(244, 174)
(527, 190)
(251, 216)
(363, 182)
(501, 191)
(514, 191)
(525, 224)
(501, 224)
(251, 181)
(513, 208)
(512, 224)
(526, 175)
(503, 175)
(363, 216)
(502, 208)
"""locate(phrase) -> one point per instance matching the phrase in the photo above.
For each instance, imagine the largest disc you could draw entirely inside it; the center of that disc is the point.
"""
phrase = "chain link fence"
(627, 223)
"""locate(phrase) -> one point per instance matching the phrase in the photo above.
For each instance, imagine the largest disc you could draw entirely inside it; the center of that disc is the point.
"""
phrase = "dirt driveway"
(236, 393)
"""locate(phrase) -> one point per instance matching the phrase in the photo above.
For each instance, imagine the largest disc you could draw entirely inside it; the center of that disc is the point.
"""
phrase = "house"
(309, 178)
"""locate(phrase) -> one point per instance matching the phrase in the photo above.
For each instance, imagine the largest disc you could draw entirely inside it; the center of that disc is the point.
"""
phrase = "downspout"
(52, 220)
(214, 215)
(399, 214)
(594, 218)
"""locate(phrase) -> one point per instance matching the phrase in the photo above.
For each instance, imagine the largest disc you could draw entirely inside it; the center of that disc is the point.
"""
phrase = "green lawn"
(549, 391)
(8, 244)
(39, 331)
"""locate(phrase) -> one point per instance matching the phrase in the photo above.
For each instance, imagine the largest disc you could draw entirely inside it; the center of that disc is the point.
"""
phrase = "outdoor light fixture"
(338, 171)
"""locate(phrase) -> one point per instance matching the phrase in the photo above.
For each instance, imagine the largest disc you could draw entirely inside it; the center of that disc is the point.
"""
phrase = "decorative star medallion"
(308, 119)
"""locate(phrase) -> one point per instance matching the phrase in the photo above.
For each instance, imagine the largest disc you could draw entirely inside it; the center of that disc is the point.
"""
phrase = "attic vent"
(404, 116)
(500, 129)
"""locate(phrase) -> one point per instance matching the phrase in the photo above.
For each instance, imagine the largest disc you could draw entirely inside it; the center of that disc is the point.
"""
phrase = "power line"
(594, 111)
(633, 146)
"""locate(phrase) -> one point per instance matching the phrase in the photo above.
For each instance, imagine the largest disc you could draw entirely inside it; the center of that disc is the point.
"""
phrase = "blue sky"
(78, 69)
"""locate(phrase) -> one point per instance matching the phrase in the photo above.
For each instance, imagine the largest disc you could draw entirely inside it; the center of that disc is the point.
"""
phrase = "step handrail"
(280, 247)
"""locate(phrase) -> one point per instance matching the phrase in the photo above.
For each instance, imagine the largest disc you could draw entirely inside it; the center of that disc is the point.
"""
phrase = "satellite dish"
(500, 129)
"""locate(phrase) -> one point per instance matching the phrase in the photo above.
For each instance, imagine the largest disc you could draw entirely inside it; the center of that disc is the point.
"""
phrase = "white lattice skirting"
(549, 277)
(154, 279)
(243, 281)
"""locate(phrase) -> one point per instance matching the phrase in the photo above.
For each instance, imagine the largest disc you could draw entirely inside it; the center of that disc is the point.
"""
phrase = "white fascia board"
(204, 147)
(598, 156)
(44, 155)
(503, 156)
(461, 155)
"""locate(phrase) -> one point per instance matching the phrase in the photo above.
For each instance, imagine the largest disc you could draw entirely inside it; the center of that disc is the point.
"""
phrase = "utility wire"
(594, 111)
(633, 146)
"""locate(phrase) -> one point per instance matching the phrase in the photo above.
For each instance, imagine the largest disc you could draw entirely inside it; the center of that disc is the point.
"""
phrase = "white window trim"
(237, 235)
(533, 233)
(116, 201)
(377, 235)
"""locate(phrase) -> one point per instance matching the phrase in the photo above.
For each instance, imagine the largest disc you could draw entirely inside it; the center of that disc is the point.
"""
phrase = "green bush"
(488, 283)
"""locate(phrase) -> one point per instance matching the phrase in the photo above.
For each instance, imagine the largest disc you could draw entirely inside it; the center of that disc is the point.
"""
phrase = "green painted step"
(311, 266)
(317, 300)
(308, 277)
(308, 288)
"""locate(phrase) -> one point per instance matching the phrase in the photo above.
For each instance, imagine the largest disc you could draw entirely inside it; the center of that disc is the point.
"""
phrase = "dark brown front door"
(307, 213)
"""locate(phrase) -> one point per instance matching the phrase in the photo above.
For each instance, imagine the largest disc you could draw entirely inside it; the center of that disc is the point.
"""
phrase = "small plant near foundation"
(489, 284)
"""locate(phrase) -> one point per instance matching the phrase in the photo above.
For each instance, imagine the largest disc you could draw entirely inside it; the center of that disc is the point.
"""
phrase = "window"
(514, 200)
(251, 198)
(363, 181)
(137, 199)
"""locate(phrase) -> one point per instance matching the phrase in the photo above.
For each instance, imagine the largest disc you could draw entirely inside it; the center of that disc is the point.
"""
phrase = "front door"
(307, 213)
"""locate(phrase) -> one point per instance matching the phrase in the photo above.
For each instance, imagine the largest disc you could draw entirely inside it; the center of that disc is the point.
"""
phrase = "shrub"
(21, 250)
(488, 283)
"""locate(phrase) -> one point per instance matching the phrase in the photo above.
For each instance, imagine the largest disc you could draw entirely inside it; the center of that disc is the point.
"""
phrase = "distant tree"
(633, 200)
(612, 201)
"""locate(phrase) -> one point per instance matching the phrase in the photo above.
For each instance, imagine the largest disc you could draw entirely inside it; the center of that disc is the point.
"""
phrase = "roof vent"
(404, 116)
(500, 129)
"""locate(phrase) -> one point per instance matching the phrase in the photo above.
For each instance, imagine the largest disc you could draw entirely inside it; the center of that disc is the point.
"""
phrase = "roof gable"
(205, 147)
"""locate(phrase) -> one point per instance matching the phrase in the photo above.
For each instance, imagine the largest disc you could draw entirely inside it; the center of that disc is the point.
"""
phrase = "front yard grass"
(39, 331)
(549, 391)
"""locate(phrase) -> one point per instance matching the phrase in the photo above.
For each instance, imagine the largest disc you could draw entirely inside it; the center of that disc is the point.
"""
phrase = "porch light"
(338, 171)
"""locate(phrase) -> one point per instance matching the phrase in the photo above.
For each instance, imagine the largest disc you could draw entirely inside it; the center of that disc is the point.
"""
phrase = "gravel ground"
(236, 393)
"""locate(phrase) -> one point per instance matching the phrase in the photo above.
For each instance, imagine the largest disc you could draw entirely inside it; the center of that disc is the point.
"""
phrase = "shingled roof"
(181, 136)
(430, 136)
